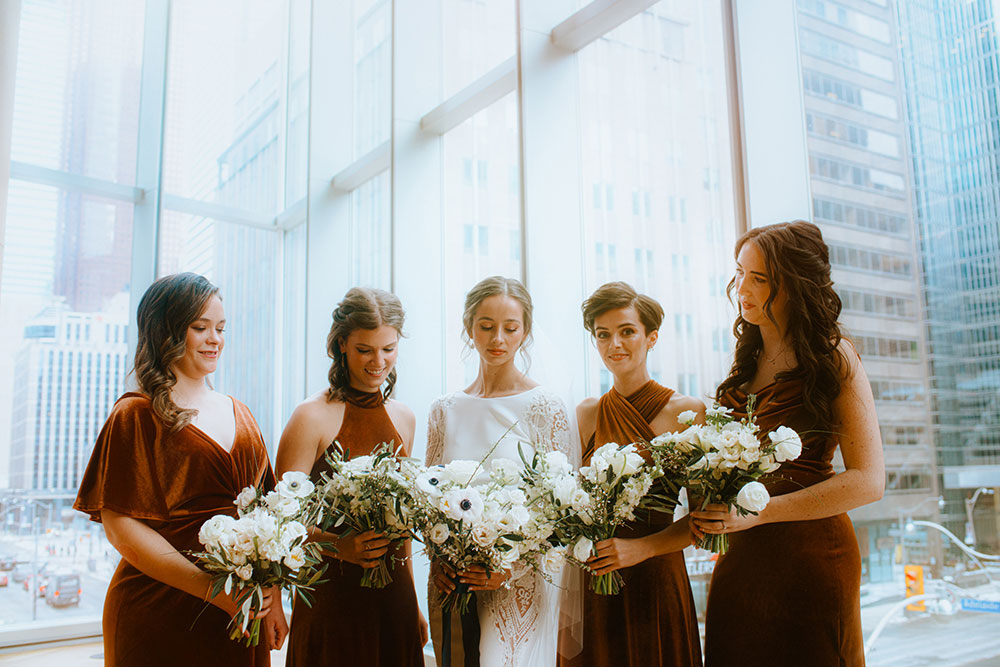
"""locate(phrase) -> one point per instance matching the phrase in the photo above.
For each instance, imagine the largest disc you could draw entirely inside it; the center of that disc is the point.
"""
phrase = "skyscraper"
(862, 199)
(951, 63)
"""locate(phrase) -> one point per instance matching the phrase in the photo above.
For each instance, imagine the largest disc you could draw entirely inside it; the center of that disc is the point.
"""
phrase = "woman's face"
(204, 342)
(622, 340)
(753, 287)
(498, 329)
(371, 355)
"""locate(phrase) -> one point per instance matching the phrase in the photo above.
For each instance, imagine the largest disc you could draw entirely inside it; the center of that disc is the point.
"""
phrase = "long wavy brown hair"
(361, 308)
(798, 263)
(165, 312)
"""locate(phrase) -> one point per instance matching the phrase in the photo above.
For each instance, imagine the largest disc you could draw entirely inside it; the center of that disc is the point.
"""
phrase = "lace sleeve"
(435, 433)
(550, 424)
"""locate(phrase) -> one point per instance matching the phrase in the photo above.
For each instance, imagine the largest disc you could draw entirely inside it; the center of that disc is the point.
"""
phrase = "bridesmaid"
(348, 624)
(515, 620)
(169, 457)
(652, 621)
(796, 564)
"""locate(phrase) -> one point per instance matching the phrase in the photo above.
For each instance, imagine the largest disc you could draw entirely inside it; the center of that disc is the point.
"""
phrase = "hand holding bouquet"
(368, 493)
(264, 546)
(721, 461)
(605, 497)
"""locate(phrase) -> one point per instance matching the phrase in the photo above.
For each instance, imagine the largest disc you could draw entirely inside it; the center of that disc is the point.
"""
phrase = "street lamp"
(970, 524)
(908, 513)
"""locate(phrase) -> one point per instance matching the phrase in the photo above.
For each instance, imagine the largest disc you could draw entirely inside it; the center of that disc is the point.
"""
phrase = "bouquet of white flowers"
(371, 492)
(721, 461)
(264, 546)
(465, 523)
(605, 497)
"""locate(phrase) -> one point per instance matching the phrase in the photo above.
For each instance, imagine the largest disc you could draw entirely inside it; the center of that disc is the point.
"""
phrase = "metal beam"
(64, 180)
(218, 212)
(595, 20)
(365, 168)
(472, 99)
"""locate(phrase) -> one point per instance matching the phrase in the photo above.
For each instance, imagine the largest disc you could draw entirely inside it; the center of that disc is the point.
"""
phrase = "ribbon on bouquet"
(470, 632)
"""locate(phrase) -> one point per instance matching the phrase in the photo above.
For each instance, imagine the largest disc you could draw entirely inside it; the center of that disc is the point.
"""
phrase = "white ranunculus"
(463, 472)
(295, 559)
(753, 497)
(244, 572)
(286, 506)
(687, 417)
(505, 471)
(554, 560)
(513, 494)
(564, 490)
(293, 533)
(483, 535)
(520, 514)
(511, 556)
(557, 463)
(295, 484)
(583, 549)
(787, 444)
(265, 527)
(247, 496)
(439, 533)
(750, 455)
(212, 531)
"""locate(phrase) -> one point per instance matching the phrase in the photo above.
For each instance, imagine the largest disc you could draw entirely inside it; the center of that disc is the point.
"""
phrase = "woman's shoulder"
(317, 408)
(132, 405)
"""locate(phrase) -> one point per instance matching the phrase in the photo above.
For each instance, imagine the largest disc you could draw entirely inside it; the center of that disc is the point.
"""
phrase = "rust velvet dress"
(652, 621)
(349, 625)
(788, 594)
(172, 482)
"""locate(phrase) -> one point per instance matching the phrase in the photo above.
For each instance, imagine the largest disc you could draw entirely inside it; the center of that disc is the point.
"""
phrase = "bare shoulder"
(849, 362)
(669, 417)
(317, 409)
(587, 409)
(401, 411)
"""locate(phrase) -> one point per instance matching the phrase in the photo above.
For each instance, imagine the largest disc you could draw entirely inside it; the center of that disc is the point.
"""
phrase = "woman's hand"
(230, 604)
(275, 624)
(362, 549)
(443, 577)
(617, 553)
(480, 580)
(717, 519)
(422, 623)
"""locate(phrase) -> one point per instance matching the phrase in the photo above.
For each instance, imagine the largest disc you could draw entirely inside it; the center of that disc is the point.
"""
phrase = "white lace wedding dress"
(519, 625)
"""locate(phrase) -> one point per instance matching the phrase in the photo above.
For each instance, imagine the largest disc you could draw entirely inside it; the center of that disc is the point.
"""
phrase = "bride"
(517, 609)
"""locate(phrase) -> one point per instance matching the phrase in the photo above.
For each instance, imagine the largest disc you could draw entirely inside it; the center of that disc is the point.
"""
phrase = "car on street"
(63, 590)
(21, 572)
(7, 562)
(3, 580)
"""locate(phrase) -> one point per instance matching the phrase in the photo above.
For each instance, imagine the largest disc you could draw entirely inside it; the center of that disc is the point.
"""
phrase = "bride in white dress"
(517, 610)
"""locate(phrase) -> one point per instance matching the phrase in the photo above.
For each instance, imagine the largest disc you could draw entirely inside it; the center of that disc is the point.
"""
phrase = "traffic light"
(915, 586)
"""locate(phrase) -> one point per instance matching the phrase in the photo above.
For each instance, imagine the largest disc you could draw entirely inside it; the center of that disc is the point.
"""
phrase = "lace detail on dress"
(435, 429)
(549, 422)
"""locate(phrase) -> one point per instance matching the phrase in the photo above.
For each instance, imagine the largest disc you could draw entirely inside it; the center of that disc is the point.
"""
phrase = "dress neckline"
(494, 398)
(363, 399)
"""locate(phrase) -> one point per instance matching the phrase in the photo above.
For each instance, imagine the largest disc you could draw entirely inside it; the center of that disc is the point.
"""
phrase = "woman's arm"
(154, 556)
(861, 483)
(301, 444)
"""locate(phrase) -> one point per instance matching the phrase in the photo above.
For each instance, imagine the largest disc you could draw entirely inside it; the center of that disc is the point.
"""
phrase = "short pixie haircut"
(612, 296)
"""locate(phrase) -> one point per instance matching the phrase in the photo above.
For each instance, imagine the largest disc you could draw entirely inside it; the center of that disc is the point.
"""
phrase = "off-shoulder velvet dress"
(788, 594)
(173, 482)
(653, 620)
(347, 624)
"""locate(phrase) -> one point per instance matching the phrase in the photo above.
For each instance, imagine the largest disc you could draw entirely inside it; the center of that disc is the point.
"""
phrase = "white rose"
(265, 527)
(557, 463)
(439, 533)
(247, 496)
(462, 472)
(295, 559)
(768, 464)
(687, 417)
(244, 572)
(565, 489)
(583, 549)
(511, 556)
(295, 484)
(212, 531)
(787, 444)
(286, 506)
(483, 535)
(554, 559)
(753, 497)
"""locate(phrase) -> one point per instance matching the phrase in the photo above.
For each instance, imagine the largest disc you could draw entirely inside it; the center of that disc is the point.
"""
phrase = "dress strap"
(363, 399)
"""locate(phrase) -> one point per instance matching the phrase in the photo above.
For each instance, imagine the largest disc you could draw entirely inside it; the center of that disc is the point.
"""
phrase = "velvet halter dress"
(172, 482)
(347, 624)
(653, 620)
(788, 594)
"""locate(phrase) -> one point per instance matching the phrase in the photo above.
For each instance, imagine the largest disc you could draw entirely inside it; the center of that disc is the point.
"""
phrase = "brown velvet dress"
(788, 594)
(652, 621)
(349, 625)
(173, 483)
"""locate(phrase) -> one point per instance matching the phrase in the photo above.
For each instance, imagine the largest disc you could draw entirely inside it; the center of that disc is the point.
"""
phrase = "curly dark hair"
(361, 308)
(164, 314)
(798, 263)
